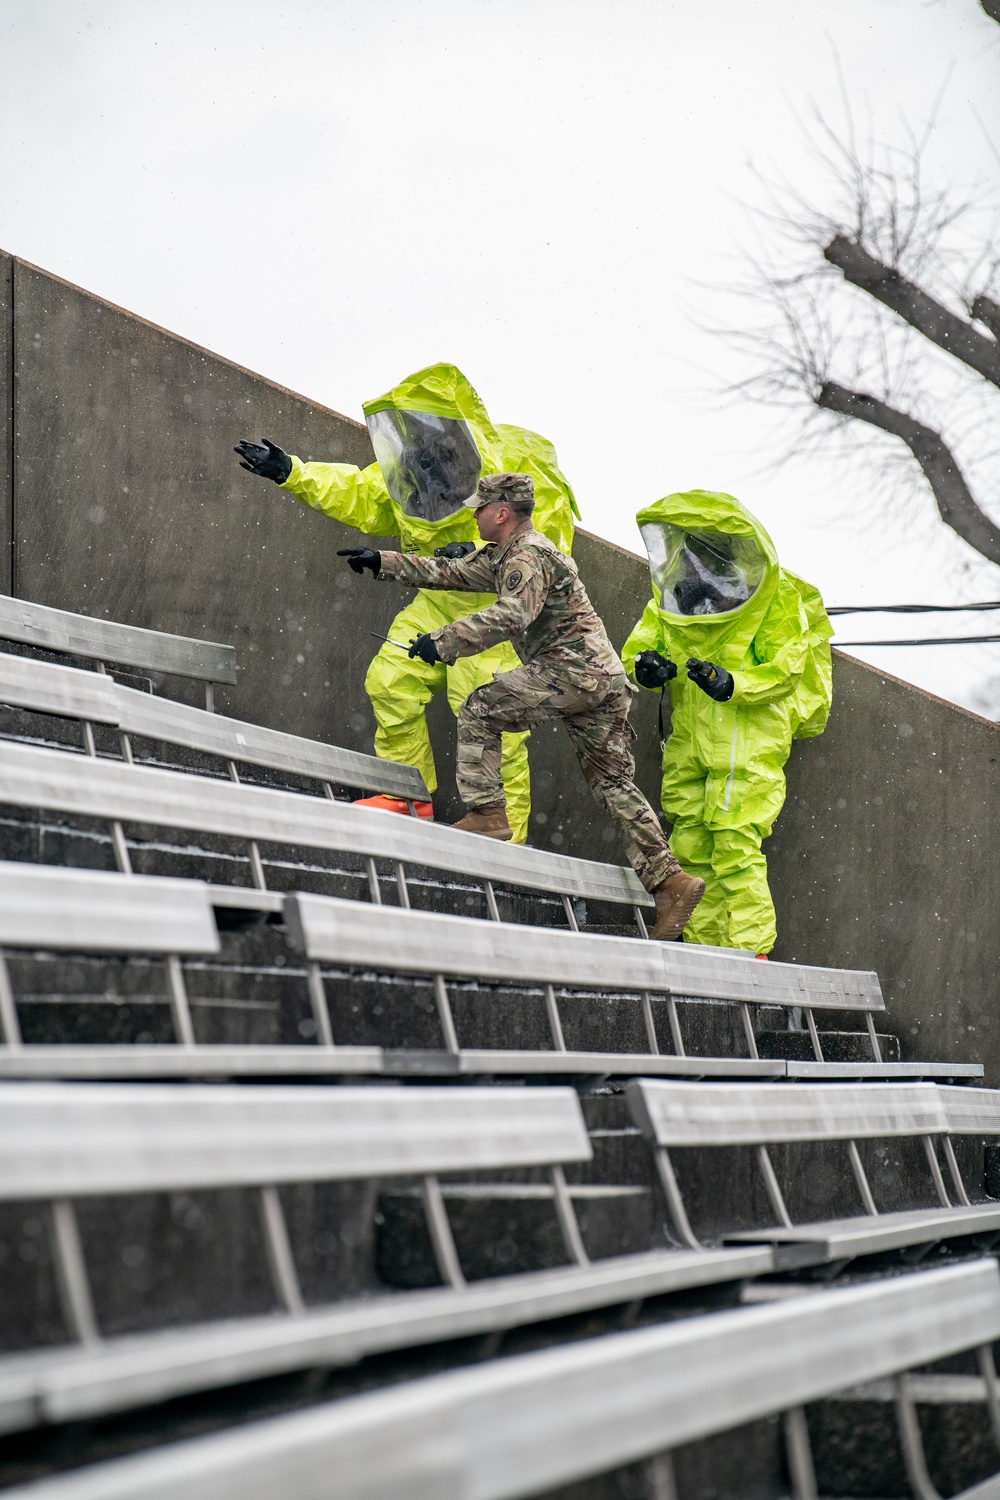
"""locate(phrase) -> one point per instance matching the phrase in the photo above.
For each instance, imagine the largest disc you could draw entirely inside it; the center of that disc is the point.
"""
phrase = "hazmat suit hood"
(433, 441)
(714, 571)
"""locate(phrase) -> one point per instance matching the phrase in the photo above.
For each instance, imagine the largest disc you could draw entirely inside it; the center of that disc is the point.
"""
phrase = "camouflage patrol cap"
(502, 487)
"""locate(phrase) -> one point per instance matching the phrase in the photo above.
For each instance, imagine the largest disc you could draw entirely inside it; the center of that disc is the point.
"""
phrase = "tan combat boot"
(676, 899)
(491, 822)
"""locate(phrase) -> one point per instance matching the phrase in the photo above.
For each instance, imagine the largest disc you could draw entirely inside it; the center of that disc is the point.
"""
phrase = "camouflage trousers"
(594, 707)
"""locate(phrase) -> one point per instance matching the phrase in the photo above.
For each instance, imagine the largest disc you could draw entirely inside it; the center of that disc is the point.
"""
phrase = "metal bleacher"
(294, 1198)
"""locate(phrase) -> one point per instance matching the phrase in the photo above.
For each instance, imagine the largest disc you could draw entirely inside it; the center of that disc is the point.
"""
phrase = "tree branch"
(992, 9)
(923, 313)
(955, 502)
(984, 309)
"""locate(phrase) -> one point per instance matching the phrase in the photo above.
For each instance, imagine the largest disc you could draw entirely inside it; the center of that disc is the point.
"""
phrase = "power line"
(947, 640)
(906, 609)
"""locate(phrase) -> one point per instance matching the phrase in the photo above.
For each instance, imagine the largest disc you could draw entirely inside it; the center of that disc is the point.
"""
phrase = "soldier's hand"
(653, 670)
(360, 558)
(713, 680)
(455, 550)
(425, 648)
(265, 459)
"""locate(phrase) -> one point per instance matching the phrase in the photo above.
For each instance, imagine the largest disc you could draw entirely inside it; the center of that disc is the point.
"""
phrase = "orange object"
(397, 805)
(761, 955)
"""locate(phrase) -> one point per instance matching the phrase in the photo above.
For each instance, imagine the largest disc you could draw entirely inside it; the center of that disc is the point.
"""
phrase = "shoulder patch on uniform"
(513, 579)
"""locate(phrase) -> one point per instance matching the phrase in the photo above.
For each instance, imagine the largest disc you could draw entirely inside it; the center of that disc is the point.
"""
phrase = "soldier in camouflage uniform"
(570, 672)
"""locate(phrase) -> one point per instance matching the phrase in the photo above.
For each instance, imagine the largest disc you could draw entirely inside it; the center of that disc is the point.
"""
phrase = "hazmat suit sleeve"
(357, 497)
(782, 649)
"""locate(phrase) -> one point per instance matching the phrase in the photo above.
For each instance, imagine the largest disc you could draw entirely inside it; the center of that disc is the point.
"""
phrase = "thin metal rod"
(912, 1444)
(748, 1030)
(120, 847)
(861, 1178)
(256, 863)
(9, 1024)
(88, 738)
(566, 1213)
(675, 1202)
(932, 1162)
(439, 1228)
(640, 922)
(652, 1041)
(773, 1187)
(799, 1455)
(953, 1168)
(988, 1370)
(492, 910)
(404, 894)
(555, 1021)
(676, 1035)
(210, 697)
(817, 1045)
(374, 889)
(125, 745)
(71, 1274)
(320, 1009)
(574, 925)
(662, 1483)
(279, 1252)
(873, 1036)
(445, 1016)
(180, 1010)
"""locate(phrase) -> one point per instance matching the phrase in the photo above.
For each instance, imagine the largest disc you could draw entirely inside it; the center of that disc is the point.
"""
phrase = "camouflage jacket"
(542, 607)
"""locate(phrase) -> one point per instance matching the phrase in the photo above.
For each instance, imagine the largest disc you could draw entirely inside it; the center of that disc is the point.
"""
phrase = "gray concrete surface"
(128, 502)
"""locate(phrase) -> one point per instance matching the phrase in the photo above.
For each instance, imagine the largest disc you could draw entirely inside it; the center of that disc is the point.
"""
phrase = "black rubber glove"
(425, 648)
(265, 459)
(360, 558)
(713, 680)
(455, 550)
(653, 670)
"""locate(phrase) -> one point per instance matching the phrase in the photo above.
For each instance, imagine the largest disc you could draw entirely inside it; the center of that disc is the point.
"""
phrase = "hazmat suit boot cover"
(720, 595)
(439, 408)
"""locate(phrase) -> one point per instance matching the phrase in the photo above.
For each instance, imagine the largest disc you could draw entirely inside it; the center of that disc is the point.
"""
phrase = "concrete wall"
(120, 496)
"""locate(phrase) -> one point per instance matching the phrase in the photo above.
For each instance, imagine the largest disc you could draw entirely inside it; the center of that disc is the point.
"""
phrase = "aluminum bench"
(61, 1143)
(94, 699)
(678, 1115)
(108, 641)
(327, 930)
(537, 1422)
(82, 911)
(31, 777)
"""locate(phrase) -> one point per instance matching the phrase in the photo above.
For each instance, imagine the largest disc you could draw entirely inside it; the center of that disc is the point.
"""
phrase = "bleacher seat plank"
(330, 930)
(98, 912)
(708, 1115)
(477, 1061)
(109, 641)
(71, 1383)
(832, 1071)
(69, 1140)
(65, 691)
(524, 1425)
(35, 777)
(160, 1062)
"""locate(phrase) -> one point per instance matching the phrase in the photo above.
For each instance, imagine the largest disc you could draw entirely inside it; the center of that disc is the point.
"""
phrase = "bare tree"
(926, 263)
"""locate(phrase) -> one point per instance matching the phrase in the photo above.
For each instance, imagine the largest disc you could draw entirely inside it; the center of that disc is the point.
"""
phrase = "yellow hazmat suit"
(719, 595)
(433, 440)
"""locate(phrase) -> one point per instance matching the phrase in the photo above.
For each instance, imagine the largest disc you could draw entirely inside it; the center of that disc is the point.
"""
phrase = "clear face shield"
(702, 572)
(431, 465)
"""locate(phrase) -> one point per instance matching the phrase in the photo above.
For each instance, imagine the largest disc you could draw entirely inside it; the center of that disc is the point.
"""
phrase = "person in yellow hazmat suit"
(433, 441)
(745, 647)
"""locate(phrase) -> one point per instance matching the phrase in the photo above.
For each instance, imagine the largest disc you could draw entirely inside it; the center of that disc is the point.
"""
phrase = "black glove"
(360, 558)
(653, 670)
(713, 680)
(425, 648)
(455, 550)
(264, 458)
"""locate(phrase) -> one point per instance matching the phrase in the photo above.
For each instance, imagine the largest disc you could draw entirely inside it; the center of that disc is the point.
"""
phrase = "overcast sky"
(544, 192)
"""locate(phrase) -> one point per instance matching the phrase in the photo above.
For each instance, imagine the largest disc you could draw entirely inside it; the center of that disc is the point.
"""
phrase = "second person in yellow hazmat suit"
(745, 647)
(433, 441)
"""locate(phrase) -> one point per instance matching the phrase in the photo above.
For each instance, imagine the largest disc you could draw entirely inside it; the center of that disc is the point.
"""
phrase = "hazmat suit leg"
(399, 689)
(693, 845)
